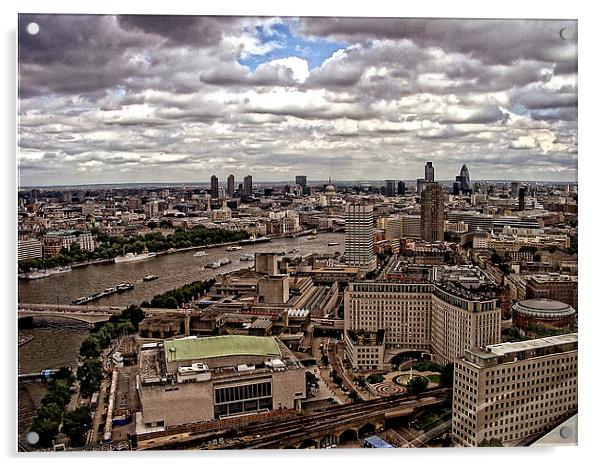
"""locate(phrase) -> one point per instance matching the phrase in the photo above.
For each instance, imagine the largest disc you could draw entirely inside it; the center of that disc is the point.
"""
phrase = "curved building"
(543, 317)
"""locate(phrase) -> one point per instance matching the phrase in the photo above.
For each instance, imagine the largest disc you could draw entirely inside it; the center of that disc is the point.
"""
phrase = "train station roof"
(220, 346)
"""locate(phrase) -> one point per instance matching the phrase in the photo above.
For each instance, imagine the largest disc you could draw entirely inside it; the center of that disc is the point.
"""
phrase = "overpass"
(319, 429)
(89, 314)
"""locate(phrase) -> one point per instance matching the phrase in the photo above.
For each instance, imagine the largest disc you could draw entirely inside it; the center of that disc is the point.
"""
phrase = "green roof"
(222, 346)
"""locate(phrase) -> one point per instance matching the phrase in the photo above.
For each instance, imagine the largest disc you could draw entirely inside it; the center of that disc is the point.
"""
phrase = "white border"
(589, 154)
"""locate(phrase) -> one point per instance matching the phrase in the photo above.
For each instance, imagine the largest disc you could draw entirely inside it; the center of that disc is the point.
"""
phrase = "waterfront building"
(439, 318)
(514, 391)
(192, 380)
(29, 249)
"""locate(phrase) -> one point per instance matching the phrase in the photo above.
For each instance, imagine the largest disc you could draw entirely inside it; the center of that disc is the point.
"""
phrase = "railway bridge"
(319, 429)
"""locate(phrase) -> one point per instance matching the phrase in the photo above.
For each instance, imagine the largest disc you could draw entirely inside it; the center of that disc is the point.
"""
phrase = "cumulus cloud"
(178, 98)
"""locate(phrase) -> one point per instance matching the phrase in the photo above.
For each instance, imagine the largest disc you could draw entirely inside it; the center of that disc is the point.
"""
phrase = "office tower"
(457, 187)
(521, 198)
(359, 230)
(420, 182)
(432, 216)
(390, 188)
(429, 172)
(214, 187)
(248, 185)
(514, 391)
(464, 180)
(514, 188)
(401, 188)
(301, 180)
(231, 186)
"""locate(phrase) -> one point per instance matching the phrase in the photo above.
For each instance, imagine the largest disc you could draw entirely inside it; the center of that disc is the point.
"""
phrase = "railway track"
(268, 434)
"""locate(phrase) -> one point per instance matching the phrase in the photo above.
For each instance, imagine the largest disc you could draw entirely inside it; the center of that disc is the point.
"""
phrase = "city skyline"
(117, 99)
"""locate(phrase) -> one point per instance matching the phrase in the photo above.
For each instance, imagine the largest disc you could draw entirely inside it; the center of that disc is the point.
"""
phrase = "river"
(173, 270)
(56, 343)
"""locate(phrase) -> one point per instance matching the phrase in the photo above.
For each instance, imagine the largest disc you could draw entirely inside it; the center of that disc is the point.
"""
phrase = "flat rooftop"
(220, 346)
(502, 349)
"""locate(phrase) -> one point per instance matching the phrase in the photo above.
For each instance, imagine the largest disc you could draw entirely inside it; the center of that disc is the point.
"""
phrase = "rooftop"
(543, 305)
(221, 346)
(502, 349)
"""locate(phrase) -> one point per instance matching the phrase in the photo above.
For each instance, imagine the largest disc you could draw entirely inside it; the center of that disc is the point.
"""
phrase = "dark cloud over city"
(168, 99)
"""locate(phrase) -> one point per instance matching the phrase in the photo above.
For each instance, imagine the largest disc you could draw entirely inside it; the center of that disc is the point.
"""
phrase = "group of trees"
(89, 374)
(175, 298)
(53, 416)
(311, 382)
(121, 324)
(112, 246)
(417, 385)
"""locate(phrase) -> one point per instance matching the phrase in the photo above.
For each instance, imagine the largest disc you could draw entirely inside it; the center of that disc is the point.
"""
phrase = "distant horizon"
(282, 182)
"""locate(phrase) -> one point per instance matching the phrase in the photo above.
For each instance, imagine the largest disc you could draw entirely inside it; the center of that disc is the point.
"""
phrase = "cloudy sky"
(178, 98)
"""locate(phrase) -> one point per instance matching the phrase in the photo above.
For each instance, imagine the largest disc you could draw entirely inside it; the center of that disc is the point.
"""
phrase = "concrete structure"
(432, 215)
(513, 391)
(543, 317)
(192, 380)
(563, 288)
(359, 240)
(439, 318)
(429, 172)
(231, 186)
(410, 226)
(266, 263)
(54, 241)
(273, 289)
(29, 249)
(214, 187)
(390, 188)
(301, 180)
(248, 185)
(365, 349)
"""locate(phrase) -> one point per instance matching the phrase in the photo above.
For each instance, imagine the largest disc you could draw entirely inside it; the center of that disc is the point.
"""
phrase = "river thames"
(173, 270)
(56, 342)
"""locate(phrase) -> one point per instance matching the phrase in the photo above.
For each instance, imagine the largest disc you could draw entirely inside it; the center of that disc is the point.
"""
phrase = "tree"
(417, 385)
(134, 314)
(47, 429)
(325, 360)
(311, 382)
(89, 375)
(493, 442)
(375, 378)
(354, 396)
(90, 347)
(76, 424)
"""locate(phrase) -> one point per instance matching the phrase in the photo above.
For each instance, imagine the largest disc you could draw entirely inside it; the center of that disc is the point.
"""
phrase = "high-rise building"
(359, 240)
(429, 172)
(231, 185)
(521, 198)
(466, 174)
(514, 391)
(248, 185)
(301, 180)
(401, 188)
(214, 187)
(514, 188)
(420, 183)
(432, 216)
(390, 188)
